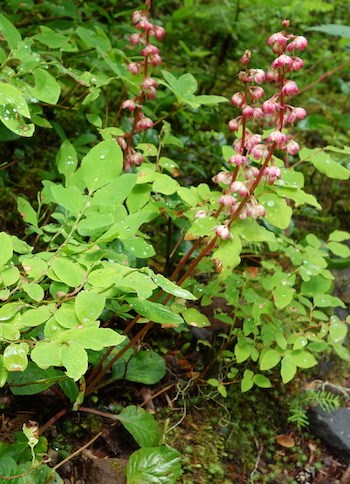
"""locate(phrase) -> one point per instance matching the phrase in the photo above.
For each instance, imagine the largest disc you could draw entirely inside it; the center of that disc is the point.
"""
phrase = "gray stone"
(107, 471)
(333, 429)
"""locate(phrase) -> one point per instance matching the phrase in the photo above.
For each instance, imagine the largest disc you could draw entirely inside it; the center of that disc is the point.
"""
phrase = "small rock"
(107, 471)
(333, 429)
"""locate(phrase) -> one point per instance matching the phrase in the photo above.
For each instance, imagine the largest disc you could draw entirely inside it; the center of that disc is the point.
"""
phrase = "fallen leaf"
(285, 440)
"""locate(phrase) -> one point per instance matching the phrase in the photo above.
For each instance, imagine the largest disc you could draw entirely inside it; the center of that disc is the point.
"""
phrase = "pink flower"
(278, 38)
(277, 136)
(297, 64)
(282, 61)
(223, 177)
(256, 92)
(159, 32)
(144, 123)
(289, 88)
(223, 232)
(149, 82)
(292, 147)
(135, 39)
(245, 59)
(134, 68)
(248, 112)
(200, 214)
(296, 113)
(234, 124)
(259, 151)
(156, 60)
(252, 140)
(238, 99)
(129, 104)
(227, 200)
(150, 50)
(237, 160)
(240, 188)
(299, 43)
(256, 75)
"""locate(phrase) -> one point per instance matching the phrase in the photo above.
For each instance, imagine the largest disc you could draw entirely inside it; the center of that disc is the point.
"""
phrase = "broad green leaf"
(339, 236)
(34, 291)
(195, 318)
(67, 160)
(33, 380)
(6, 246)
(10, 275)
(210, 100)
(67, 271)
(316, 285)
(34, 317)
(262, 381)
(145, 367)
(89, 305)
(324, 163)
(282, 296)
(15, 357)
(154, 465)
(7, 311)
(46, 354)
(227, 256)
(113, 194)
(288, 369)
(165, 184)
(270, 359)
(9, 32)
(341, 250)
(139, 248)
(3, 372)
(141, 424)
(26, 211)
(74, 359)
(8, 468)
(247, 381)
(252, 231)
(94, 38)
(91, 338)
(242, 352)
(188, 196)
(35, 267)
(333, 29)
(170, 287)
(278, 213)
(54, 40)
(139, 197)
(298, 196)
(69, 198)
(46, 88)
(328, 301)
(102, 165)
(155, 312)
(95, 224)
(66, 315)
(13, 107)
(303, 359)
(202, 227)
(337, 332)
(137, 282)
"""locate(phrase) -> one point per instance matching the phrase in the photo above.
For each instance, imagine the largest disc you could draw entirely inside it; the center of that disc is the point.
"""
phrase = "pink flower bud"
(136, 159)
(234, 124)
(159, 32)
(144, 123)
(292, 147)
(156, 60)
(149, 82)
(223, 177)
(282, 61)
(238, 99)
(134, 39)
(278, 38)
(150, 50)
(240, 188)
(299, 43)
(151, 93)
(256, 75)
(237, 160)
(137, 16)
(200, 214)
(296, 113)
(223, 232)
(272, 76)
(251, 173)
(259, 151)
(274, 172)
(134, 68)
(289, 88)
(122, 143)
(269, 107)
(252, 140)
(129, 104)
(297, 64)
(256, 92)
(227, 201)
(245, 59)
(277, 137)
(248, 112)
(258, 113)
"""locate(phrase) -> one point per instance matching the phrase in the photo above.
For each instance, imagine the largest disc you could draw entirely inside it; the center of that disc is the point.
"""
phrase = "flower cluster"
(148, 89)
(253, 160)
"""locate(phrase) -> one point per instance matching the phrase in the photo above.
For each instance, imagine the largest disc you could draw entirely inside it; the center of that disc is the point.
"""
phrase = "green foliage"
(301, 402)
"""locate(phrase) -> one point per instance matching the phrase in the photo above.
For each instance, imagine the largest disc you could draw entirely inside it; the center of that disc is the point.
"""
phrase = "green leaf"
(95, 224)
(34, 266)
(303, 359)
(324, 163)
(165, 184)
(7, 311)
(89, 305)
(34, 317)
(26, 211)
(46, 354)
(46, 88)
(288, 369)
(9, 32)
(139, 248)
(53, 40)
(337, 332)
(270, 359)
(33, 380)
(141, 424)
(154, 312)
(67, 271)
(201, 227)
(247, 382)
(8, 468)
(333, 29)
(75, 360)
(328, 301)
(34, 291)
(94, 38)
(316, 285)
(262, 381)
(91, 338)
(154, 465)
(145, 367)
(227, 256)
(15, 357)
(137, 282)
(195, 318)
(283, 295)
(339, 236)
(170, 287)
(67, 160)
(6, 248)
(341, 250)
(69, 198)
(12, 107)
(210, 100)
(278, 213)
(102, 164)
